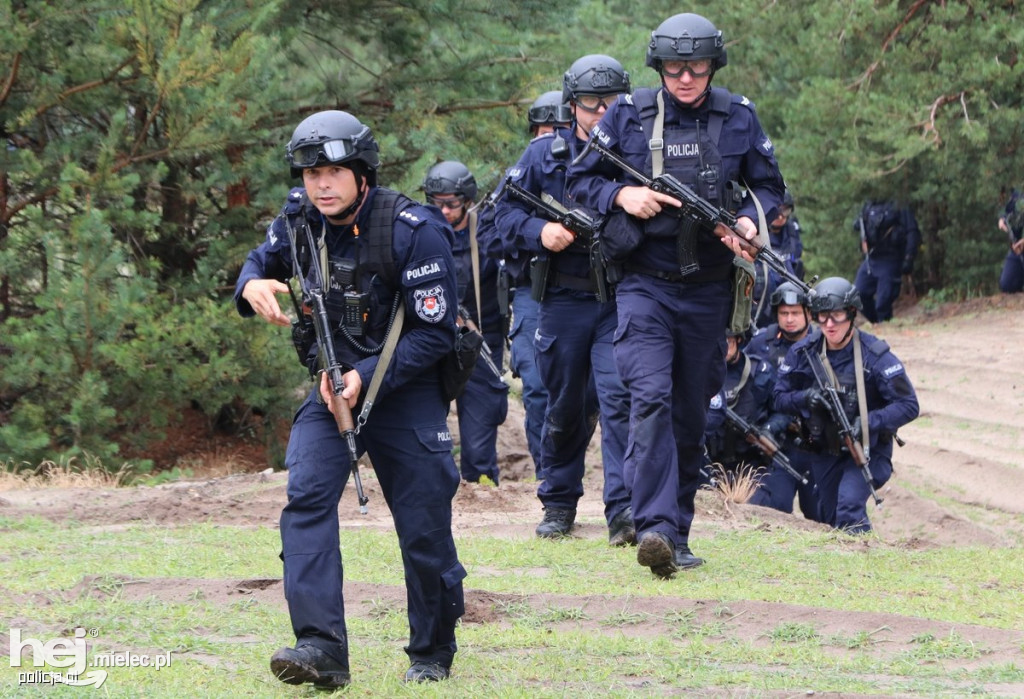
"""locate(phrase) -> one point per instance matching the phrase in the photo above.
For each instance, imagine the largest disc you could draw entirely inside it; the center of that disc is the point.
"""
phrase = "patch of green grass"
(60, 577)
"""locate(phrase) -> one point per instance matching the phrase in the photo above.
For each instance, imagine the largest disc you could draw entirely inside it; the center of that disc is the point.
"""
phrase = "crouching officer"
(669, 345)
(483, 404)
(876, 395)
(792, 323)
(747, 392)
(379, 248)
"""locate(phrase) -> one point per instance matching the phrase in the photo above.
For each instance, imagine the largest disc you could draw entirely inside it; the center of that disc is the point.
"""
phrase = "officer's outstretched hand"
(353, 385)
(746, 228)
(260, 293)
(644, 202)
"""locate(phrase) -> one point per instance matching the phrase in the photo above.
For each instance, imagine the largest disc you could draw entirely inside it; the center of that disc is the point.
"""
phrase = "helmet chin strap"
(849, 331)
(351, 210)
(461, 218)
(794, 336)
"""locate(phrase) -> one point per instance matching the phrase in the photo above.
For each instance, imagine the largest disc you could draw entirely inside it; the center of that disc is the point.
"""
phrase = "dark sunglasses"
(550, 114)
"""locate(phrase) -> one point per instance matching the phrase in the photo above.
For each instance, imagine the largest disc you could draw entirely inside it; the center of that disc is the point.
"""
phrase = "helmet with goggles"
(450, 177)
(331, 138)
(549, 108)
(686, 37)
(595, 74)
(833, 294)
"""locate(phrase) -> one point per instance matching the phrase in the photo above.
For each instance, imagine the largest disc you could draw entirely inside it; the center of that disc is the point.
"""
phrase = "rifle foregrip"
(342, 414)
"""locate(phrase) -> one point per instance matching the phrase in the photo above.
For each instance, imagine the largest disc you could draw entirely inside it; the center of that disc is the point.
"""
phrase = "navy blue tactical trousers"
(482, 408)
(574, 355)
(878, 281)
(1011, 279)
(778, 488)
(523, 359)
(843, 491)
(670, 350)
(408, 441)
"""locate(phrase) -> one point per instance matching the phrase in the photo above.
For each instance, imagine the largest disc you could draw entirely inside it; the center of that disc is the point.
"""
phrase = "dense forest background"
(144, 145)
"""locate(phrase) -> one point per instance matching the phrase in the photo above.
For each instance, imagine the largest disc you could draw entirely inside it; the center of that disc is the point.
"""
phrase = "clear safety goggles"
(697, 68)
(593, 103)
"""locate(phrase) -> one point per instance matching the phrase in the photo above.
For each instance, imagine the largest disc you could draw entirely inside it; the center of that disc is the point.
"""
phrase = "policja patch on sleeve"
(430, 304)
(430, 301)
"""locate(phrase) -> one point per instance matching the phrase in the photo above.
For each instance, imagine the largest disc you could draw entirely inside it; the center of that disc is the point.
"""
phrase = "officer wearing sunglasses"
(669, 346)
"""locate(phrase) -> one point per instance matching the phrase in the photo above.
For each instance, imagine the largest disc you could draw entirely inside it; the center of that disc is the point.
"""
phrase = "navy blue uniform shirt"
(747, 154)
(425, 274)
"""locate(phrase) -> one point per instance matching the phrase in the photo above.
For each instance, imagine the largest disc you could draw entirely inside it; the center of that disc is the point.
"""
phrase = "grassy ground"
(571, 618)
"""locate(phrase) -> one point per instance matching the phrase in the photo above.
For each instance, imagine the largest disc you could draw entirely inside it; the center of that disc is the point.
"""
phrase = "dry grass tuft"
(736, 485)
(69, 474)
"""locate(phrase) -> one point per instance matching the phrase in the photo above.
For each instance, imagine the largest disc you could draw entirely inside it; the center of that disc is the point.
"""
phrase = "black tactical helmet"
(450, 177)
(686, 37)
(834, 293)
(787, 199)
(595, 74)
(333, 137)
(549, 108)
(787, 294)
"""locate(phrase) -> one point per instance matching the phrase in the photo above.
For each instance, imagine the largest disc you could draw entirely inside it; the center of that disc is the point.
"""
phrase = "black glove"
(776, 428)
(908, 266)
(855, 429)
(814, 400)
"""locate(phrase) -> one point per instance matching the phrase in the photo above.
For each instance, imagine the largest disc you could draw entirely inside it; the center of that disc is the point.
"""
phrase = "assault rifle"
(842, 422)
(485, 350)
(577, 221)
(698, 210)
(583, 226)
(314, 311)
(764, 442)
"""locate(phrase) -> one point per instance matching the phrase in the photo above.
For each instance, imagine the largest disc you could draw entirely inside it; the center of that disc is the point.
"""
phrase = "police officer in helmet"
(483, 404)
(669, 345)
(778, 488)
(875, 395)
(574, 334)
(547, 113)
(380, 248)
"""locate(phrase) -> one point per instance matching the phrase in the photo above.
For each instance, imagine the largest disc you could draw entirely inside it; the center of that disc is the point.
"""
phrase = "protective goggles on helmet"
(697, 68)
(593, 103)
(332, 152)
(837, 316)
(789, 297)
(450, 203)
(550, 114)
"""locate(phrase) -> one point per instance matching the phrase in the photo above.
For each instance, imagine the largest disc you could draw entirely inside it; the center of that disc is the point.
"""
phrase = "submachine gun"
(313, 311)
(584, 227)
(842, 422)
(699, 210)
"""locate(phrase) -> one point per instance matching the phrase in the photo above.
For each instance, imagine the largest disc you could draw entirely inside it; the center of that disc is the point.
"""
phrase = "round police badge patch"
(716, 402)
(430, 304)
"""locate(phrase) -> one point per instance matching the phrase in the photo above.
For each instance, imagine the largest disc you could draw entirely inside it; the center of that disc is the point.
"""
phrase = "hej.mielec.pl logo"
(70, 656)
